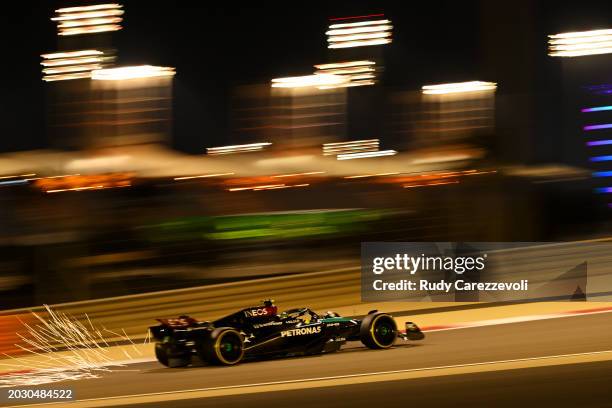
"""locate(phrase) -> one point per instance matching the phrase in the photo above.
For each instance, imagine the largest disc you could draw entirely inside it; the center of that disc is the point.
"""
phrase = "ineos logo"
(255, 312)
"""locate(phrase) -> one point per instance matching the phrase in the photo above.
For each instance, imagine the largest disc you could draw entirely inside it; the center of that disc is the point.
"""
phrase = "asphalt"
(576, 385)
(570, 384)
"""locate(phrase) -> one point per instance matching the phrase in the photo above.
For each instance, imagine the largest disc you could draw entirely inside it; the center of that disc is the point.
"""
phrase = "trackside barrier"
(134, 313)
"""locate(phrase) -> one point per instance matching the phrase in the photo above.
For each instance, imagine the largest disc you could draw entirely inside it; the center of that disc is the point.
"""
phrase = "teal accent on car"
(336, 319)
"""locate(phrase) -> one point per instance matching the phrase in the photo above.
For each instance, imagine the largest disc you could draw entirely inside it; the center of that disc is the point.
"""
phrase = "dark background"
(217, 45)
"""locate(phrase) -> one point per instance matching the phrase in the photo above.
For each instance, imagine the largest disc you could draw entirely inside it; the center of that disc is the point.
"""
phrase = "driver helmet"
(270, 307)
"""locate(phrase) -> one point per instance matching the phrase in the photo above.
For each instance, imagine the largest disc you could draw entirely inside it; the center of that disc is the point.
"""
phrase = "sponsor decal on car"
(256, 312)
(272, 323)
(292, 321)
(302, 331)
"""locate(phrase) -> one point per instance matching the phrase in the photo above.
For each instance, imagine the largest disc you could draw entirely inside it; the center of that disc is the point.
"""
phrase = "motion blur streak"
(203, 176)
(576, 44)
(366, 155)
(352, 146)
(18, 175)
(471, 86)
(359, 33)
(355, 71)
(89, 19)
(308, 81)
(133, 72)
(90, 29)
(350, 44)
(267, 187)
(359, 24)
(599, 143)
(310, 173)
(345, 64)
(370, 175)
(601, 158)
(597, 127)
(88, 8)
(597, 109)
(72, 65)
(251, 147)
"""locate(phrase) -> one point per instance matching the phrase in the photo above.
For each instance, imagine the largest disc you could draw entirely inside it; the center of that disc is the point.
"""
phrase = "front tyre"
(224, 347)
(378, 331)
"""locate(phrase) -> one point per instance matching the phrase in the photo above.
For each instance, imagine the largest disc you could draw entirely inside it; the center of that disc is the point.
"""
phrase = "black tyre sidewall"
(161, 353)
(368, 327)
(212, 351)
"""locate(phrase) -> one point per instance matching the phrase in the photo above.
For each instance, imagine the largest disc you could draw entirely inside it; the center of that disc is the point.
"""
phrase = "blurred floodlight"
(359, 34)
(366, 155)
(93, 19)
(350, 147)
(394, 173)
(72, 64)
(576, 44)
(66, 77)
(350, 84)
(72, 54)
(91, 30)
(88, 8)
(316, 80)
(203, 176)
(363, 43)
(357, 73)
(361, 23)
(134, 72)
(251, 147)
(347, 64)
(471, 86)
(308, 173)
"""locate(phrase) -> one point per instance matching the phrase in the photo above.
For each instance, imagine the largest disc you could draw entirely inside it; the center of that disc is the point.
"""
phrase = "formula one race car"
(258, 331)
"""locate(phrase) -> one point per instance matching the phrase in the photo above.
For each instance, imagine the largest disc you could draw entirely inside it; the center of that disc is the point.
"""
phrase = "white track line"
(377, 376)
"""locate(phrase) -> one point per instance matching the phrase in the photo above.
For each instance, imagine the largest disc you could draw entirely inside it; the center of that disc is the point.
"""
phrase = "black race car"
(259, 331)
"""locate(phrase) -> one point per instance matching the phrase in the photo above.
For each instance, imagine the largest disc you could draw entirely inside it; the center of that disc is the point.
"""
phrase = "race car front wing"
(412, 332)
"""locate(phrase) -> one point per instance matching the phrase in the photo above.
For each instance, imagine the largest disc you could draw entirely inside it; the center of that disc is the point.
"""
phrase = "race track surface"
(475, 359)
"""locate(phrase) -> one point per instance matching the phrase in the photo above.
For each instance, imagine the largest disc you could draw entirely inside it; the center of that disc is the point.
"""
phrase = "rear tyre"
(378, 331)
(169, 356)
(224, 347)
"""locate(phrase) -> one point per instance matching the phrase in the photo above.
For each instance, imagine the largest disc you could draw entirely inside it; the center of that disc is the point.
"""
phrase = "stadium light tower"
(133, 72)
(356, 47)
(122, 105)
(93, 19)
(134, 103)
(317, 80)
(458, 88)
(590, 105)
(456, 112)
(62, 66)
(357, 73)
(360, 32)
(75, 21)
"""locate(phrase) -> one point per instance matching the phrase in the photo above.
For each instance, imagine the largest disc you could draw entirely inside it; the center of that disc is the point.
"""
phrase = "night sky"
(216, 45)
